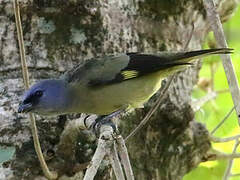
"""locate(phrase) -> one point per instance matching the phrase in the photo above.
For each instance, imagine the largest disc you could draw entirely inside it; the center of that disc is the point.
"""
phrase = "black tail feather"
(206, 52)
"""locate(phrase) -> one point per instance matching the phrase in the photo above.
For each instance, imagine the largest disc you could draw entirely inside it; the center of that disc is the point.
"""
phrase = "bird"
(104, 85)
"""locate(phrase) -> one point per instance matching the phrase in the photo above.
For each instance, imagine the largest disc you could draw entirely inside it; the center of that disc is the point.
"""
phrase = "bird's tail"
(179, 60)
(188, 56)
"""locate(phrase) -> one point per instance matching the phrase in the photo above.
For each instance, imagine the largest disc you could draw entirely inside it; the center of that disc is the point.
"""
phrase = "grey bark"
(61, 34)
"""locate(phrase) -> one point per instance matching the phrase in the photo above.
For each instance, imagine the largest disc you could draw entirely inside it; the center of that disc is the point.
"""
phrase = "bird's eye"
(38, 93)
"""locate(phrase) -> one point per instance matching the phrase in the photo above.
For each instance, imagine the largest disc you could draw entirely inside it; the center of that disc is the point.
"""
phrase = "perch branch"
(96, 160)
(105, 142)
(106, 146)
(215, 22)
(47, 173)
(124, 158)
(117, 168)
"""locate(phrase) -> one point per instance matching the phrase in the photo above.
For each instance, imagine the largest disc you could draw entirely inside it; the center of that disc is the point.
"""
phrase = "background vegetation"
(214, 111)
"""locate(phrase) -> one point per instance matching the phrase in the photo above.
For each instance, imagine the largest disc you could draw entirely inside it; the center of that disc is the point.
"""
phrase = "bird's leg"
(105, 119)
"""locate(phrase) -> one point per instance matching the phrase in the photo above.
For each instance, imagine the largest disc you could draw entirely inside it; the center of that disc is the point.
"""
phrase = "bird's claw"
(107, 119)
(103, 120)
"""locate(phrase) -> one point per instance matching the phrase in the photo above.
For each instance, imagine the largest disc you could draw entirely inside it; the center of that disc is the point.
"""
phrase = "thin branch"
(222, 140)
(117, 168)
(234, 175)
(47, 173)
(196, 105)
(222, 122)
(214, 19)
(227, 173)
(106, 146)
(227, 156)
(217, 155)
(222, 91)
(124, 158)
(190, 37)
(105, 143)
(96, 160)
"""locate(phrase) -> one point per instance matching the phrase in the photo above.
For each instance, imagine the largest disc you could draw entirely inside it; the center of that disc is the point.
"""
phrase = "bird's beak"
(24, 108)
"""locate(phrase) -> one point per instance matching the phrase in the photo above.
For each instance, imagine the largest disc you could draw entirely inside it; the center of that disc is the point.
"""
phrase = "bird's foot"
(105, 120)
(102, 120)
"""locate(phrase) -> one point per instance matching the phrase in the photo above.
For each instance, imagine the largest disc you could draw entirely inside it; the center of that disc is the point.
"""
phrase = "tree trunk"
(61, 34)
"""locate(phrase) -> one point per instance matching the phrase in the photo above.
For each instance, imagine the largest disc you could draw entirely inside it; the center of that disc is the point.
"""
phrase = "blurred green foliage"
(214, 111)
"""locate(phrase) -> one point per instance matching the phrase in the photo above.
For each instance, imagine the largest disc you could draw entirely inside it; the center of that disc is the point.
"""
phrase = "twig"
(226, 59)
(230, 163)
(124, 158)
(47, 173)
(196, 105)
(105, 146)
(117, 168)
(222, 140)
(190, 37)
(217, 155)
(234, 175)
(227, 156)
(21, 44)
(222, 91)
(221, 122)
(105, 143)
(96, 160)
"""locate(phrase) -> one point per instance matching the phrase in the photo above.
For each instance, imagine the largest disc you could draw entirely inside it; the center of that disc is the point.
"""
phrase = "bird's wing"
(116, 69)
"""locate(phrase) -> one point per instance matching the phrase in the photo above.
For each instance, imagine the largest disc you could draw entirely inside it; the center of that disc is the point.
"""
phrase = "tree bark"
(61, 34)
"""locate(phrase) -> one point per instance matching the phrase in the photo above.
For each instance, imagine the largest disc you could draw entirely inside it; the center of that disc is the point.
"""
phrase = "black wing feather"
(142, 64)
(116, 69)
(147, 63)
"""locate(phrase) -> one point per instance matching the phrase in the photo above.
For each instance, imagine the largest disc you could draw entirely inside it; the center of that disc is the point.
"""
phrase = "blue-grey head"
(48, 97)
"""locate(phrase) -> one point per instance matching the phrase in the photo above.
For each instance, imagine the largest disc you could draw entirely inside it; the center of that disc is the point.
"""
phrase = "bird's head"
(48, 97)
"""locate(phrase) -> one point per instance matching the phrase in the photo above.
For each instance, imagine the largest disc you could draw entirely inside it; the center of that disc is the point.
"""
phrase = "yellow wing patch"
(129, 74)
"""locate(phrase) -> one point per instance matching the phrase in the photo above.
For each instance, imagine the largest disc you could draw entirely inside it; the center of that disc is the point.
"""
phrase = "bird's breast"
(109, 98)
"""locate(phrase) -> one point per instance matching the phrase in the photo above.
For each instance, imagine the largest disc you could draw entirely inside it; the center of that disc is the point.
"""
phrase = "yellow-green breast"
(133, 93)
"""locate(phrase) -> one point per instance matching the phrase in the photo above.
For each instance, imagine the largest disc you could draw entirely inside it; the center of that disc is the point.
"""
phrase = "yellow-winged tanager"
(105, 85)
